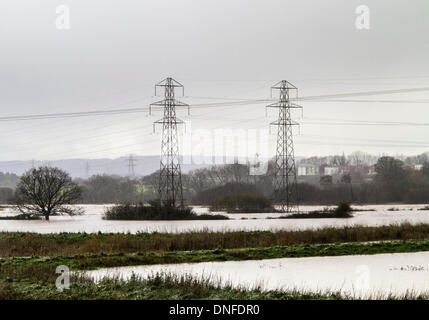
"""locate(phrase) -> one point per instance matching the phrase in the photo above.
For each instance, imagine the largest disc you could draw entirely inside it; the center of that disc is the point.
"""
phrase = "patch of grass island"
(154, 211)
(343, 210)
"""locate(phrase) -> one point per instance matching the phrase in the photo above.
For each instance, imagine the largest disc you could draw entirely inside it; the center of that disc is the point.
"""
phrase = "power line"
(206, 105)
(423, 101)
(365, 93)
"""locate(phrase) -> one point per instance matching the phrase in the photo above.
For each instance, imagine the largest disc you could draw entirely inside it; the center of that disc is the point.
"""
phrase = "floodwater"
(372, 276)
(92, 222)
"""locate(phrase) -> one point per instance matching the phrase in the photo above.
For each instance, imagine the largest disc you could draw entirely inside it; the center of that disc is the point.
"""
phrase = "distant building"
(418, 167)
(329, 171)
(306, 169)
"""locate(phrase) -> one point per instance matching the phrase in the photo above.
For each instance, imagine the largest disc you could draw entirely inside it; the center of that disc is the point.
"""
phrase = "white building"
(329, 171)
(306, 169)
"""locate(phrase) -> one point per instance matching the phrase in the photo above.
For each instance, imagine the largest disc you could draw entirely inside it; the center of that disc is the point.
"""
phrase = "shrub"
(21, 217)
(343, 210)
(153, 211)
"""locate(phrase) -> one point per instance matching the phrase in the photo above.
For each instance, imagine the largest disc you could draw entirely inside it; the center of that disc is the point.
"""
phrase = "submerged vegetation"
(153, 211)
(20, 217)
(46, 191)
(343, 210)
(243, 203)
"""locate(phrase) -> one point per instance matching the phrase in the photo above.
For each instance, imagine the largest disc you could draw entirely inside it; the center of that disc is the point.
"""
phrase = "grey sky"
(115, 51)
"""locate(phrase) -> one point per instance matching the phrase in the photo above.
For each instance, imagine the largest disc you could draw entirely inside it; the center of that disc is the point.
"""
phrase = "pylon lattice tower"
(285, 186)
(170, 176)
(131, 166)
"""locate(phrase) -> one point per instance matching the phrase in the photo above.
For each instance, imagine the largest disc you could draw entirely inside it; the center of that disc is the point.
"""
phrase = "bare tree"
(46, 191)
(360, 159)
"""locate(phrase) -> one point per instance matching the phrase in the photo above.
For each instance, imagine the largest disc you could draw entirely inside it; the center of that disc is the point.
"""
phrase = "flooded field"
(92, 222)
(374, 276)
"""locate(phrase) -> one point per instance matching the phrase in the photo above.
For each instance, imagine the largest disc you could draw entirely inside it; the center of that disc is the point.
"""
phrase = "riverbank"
(41, 286)
(19, 244)
(103, 260)
(153, 288)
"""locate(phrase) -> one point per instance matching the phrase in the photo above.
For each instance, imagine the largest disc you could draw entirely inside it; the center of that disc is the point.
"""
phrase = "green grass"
(39, 284)
(19, 244)
(163, 287)
(157, 287)
(95, 261)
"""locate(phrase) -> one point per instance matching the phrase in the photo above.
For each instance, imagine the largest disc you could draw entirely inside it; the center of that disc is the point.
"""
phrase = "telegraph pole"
(170, 177)
(285, 186)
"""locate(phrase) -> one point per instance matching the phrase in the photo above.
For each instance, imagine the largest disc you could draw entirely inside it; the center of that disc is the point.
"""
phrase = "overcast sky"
(221, 50)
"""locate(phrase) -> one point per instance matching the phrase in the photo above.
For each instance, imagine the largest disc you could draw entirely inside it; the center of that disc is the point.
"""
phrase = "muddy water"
(373, 276)
(92, 222)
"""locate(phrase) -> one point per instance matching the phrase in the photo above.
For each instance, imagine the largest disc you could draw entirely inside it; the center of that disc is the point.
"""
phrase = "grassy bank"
(159, 287)
(95, 261)
(162, 287)
(17, 244)
(34, 278)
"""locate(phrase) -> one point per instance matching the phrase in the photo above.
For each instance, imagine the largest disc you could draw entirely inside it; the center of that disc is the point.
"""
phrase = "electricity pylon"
(285, 186)
(131, 166)
(170, 177)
